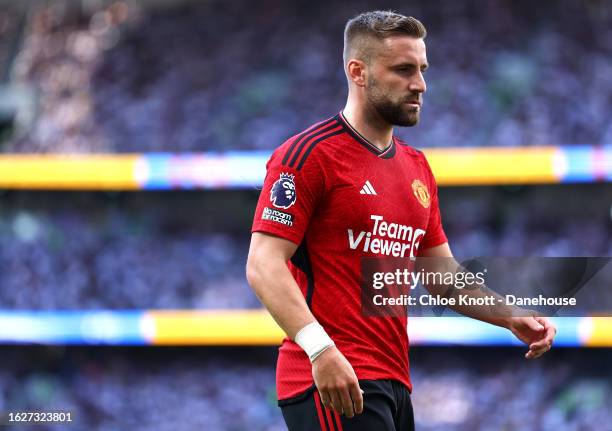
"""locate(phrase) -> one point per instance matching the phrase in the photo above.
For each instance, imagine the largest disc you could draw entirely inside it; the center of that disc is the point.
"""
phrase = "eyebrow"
(412, 65)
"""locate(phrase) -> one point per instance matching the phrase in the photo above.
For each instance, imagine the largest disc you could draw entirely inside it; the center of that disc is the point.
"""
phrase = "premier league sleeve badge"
(283, 194)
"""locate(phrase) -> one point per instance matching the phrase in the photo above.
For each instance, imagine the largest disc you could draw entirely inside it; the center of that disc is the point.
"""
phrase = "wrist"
(322, 353)
(505, 322)
(313, 339)
(506, 315)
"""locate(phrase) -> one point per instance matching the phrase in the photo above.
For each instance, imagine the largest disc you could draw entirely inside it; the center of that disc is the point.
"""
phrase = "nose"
(418, 85)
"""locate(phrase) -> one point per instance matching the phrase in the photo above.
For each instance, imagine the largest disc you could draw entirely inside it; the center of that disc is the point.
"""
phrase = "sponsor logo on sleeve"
(283, 193)
(277, 216)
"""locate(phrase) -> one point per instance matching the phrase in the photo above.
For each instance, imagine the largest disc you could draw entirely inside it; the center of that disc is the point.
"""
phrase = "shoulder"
(313, 143)
(407, 150)
(417, 155)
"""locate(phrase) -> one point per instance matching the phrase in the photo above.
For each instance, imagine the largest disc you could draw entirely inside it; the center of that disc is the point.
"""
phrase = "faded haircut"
(377, 25)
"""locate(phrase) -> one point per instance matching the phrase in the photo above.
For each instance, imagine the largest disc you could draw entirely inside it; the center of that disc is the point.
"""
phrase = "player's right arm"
(272, 282)
(290, 193)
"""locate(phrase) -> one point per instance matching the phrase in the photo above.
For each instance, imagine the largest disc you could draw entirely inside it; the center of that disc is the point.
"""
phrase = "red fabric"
(328, 213)
(338, 422)
(317, 401)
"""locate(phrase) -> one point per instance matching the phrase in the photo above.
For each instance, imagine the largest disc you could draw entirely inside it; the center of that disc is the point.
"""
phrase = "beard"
(396, 113)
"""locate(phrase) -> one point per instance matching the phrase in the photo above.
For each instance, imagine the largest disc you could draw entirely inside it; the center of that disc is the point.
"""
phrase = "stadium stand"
(174, 251)
(120, 78)
(233, 389)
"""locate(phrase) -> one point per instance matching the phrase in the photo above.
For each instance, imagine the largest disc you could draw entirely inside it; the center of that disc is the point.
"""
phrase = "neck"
(368, 123)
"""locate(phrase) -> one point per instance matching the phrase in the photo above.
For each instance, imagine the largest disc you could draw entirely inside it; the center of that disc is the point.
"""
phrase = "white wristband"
(313, 339)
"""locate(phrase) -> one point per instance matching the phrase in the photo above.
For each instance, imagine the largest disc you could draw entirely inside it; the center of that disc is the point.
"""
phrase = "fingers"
(543, 345)
(538, 349)
(551, 331)
(325, 399)
(536, 353)
(545, 342)
(534, 324)
(533, 354)
(357, 397)
(347, 403)
(337, 384)
(336, 402)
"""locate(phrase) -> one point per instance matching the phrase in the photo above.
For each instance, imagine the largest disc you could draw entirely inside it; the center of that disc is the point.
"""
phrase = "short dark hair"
(378, 25)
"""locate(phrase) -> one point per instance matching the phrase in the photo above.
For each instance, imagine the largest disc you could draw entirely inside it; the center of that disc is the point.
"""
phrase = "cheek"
(401, 85)
(384, 88)
(394, 87)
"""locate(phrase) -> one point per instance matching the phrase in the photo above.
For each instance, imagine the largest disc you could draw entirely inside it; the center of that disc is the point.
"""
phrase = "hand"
(535, 331)
(337, 383)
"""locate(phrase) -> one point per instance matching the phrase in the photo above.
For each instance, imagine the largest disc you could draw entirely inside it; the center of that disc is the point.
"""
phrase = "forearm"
(497, 313)
(277, 290)
(490, 308)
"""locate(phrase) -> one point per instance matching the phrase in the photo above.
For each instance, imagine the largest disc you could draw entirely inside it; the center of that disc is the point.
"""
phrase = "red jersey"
(339, 198)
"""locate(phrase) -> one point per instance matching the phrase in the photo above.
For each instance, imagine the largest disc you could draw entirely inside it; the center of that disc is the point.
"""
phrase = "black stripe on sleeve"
(318, 133)
(302, 135)
(311, 147)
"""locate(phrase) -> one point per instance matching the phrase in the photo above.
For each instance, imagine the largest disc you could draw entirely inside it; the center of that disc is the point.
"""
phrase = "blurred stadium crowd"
(116, 77)
(115, 260)
(233, 389)
(63, 253)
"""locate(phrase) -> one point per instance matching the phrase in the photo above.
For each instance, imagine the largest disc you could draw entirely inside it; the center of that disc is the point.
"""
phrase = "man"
(327, 193)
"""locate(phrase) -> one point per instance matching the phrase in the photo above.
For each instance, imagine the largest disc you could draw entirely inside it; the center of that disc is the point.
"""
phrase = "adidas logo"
(367, 189)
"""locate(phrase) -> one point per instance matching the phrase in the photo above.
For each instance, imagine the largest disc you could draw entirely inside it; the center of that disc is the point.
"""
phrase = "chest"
(395, 190)
(384, 204)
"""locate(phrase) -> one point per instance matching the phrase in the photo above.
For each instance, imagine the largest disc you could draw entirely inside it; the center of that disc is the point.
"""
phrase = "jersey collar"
(387, 153)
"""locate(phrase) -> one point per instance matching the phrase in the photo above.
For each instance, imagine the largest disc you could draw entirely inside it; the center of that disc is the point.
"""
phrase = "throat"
(380, 139)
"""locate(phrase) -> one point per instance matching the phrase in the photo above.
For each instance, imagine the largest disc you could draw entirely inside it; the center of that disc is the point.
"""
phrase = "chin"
(409, 117)
(408, 121)
(398, 115)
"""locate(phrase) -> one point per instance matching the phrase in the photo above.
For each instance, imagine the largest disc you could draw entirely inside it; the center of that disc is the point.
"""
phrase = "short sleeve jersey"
(339, 198)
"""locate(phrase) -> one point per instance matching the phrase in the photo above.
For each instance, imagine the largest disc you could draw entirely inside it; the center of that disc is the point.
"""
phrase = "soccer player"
(326, 195)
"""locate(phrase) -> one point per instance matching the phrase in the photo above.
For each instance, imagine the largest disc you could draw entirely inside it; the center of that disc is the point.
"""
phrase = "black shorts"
(386, 407)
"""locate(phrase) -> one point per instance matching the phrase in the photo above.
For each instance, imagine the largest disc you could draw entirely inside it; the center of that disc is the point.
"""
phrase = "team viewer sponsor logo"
(283, 193)
(387, 239)
(277, 216)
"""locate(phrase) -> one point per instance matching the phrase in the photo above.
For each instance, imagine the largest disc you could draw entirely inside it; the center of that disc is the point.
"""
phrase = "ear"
(356, 72)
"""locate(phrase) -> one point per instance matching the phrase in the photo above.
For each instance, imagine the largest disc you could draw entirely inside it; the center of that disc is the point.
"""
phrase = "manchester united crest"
(421, 193)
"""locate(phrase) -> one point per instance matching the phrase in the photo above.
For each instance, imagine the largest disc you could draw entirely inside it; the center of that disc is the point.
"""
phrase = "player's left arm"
(535, 331)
